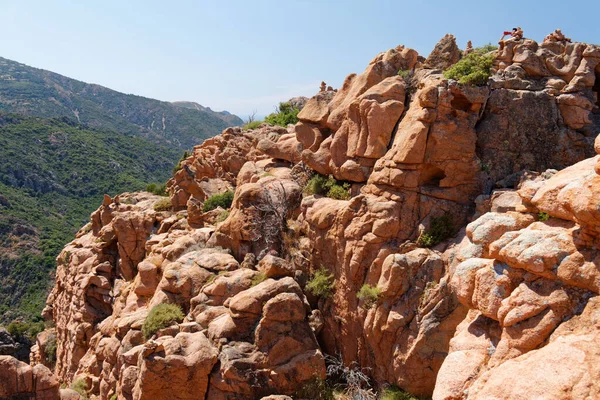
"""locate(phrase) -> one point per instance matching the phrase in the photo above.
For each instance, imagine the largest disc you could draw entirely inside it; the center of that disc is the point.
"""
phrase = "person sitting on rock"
(515, 35)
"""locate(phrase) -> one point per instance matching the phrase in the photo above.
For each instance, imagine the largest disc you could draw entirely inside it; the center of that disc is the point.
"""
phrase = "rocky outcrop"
(514, 290)
(20, 380)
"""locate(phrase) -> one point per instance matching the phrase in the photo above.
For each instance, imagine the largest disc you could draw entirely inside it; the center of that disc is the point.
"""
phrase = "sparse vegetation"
(113, 397)
(475, 68)
(161, 316)
(405, 73)
(327, 186)
(222, 200)
(321, 284)
(440, 228)
(395, 393)
(286, 114)
(259, 278)
(252, 125)
(369, 295)
(163, 205)
(29, 330)
(157, 189)
(351, 380)
(315, 389)
(177, 166)
(222, 216)
(81, 387)
(542, 216)
(50, 351)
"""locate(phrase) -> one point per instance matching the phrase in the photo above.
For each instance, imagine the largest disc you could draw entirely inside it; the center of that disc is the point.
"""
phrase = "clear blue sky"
(249, 55)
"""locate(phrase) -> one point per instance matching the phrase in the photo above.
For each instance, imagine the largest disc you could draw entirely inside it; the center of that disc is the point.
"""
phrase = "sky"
(246, 56)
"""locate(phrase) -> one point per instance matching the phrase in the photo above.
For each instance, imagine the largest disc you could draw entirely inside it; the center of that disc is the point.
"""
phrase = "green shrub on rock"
(286, 114)
(440, 229)
(161, 316)
(222, 200)
(475, 68)
(369, 295)
(163, 205)
(321, 284)
(327, 186)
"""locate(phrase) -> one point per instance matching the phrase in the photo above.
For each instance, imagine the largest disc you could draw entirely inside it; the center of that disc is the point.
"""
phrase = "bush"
(161, 316)
(475, 68)
(542, 216)
(321, 284)
(157, 189)
(395, 393)
(222, 200)
(223, 216)
(369, 295)
(163, 205)
(50, 351)
(19, 330)
(439, 229)
(405, 73)
(286, 114)
(177, 167)
(258, 278)
(327, 186)
(80, 386)
(252, 125)
(315, 389)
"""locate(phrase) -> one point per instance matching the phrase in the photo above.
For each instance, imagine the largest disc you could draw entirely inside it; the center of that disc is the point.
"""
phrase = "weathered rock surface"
(510, 298)
(20, 380)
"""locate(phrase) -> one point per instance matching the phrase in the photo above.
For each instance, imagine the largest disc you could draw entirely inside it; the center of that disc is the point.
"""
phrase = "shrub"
(286, 114)
(163, 205)
(395, 393)
(113, 397)
(223, 216)
(222, 200)
(475, 68)
(50, 350)
(440, 228)
(157, 189)
(80, 386)
(369, 295)
(317, 389)
(177, 167)
(542, 216)
(258, 278)
(252, 125)
(327, 186)
(321, 284)
(405, 73)
(20, 330)
(161, 316)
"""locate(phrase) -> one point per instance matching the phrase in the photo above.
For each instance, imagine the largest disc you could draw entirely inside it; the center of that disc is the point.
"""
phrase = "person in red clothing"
(515, 34)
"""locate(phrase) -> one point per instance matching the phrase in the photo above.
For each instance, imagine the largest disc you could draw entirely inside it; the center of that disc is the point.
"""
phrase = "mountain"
(36, 92)
(53, 173)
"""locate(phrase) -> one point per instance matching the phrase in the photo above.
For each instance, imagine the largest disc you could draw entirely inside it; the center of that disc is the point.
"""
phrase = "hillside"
(36, 92)
(53, 173)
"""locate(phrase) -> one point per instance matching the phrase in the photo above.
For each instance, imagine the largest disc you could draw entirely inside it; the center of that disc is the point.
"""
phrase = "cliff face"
(511, 297)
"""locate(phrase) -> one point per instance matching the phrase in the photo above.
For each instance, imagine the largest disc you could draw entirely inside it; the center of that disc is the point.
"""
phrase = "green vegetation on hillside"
(40, 93)
(53, 174)
(474, 69)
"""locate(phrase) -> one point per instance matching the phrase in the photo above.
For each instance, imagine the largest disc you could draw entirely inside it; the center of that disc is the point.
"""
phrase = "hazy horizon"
(242, 57)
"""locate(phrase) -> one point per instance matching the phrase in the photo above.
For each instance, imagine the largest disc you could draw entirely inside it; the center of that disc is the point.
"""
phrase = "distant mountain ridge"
(40, 93)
